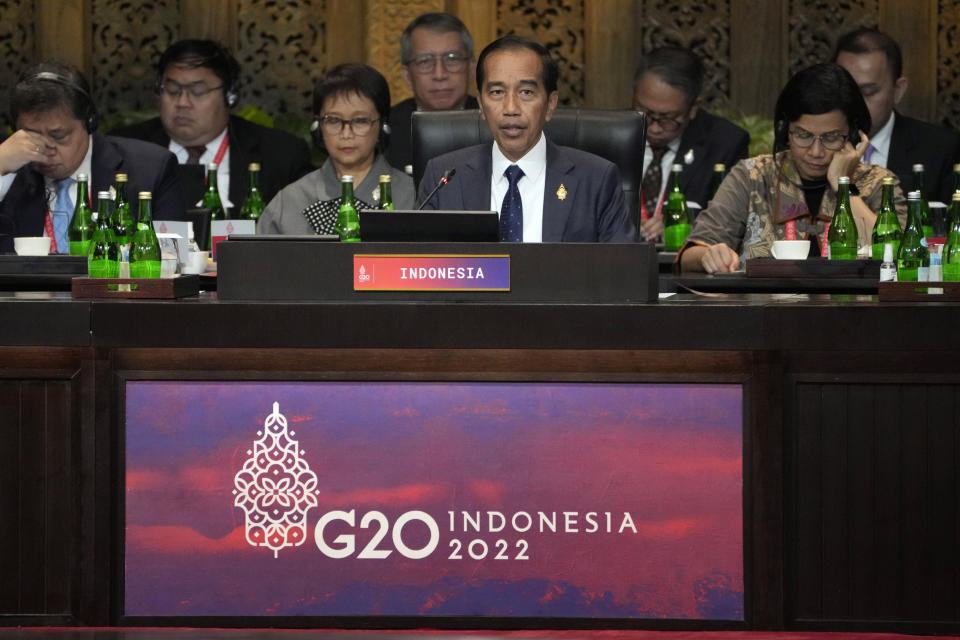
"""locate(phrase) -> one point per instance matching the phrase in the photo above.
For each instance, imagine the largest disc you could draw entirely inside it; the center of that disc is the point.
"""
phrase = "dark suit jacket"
(148, 168)
(593, 209)
(938, 149)
(712, 139)
(283, 158)
(400, 151)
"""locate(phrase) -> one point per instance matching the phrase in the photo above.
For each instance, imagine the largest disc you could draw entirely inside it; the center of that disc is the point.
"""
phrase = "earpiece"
(315, 133)
(386, 128)
(232, 98)
(89, 117)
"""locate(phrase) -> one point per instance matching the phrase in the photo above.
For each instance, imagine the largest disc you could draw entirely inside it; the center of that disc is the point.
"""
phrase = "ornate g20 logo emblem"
(275, 488)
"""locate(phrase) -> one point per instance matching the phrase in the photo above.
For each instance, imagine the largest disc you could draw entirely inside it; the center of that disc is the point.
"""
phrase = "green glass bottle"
(103, 258)
(887, 227)
(348, 221)
(951, 250)
(211, 197)
(719, 172)
(82, 225)
(252, 207)
(123, 226)
(386, 192)
(842, 238)
(913, 259)
(145, 248)
(926, 222)
(676, 220)
(956, 178)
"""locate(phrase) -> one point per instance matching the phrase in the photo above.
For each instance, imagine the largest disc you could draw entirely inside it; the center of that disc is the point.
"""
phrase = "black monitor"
(429, 226)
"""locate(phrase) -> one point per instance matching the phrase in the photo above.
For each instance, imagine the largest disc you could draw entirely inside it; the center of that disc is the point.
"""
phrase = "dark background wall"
(749, 46)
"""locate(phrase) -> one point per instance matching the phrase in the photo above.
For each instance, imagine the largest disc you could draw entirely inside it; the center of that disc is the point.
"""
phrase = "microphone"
(444, 179)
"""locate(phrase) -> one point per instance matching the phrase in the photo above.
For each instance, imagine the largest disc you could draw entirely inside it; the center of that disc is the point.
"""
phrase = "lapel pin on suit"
(688, 157)
(562, 192)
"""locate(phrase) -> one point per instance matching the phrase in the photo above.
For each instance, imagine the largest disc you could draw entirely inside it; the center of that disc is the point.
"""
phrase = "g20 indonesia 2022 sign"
(507, 499)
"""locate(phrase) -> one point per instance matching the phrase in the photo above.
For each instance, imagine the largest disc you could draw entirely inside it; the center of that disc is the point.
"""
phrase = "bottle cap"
(384, 177)
(346, 178)
(888, 252)
(956, 168)
(408, 169)
(956, 196)
(104, 195)
(81, 177)
(212, 166)
(843, 180)
(918, 167)
(254, 166)
(888, 181)
(913, 195)
(121, 177)
(719, 167)
(677, 167)
(146, 195)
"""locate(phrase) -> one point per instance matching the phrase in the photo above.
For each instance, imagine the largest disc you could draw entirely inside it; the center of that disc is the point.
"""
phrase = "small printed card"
(220, 229)
(399, 272)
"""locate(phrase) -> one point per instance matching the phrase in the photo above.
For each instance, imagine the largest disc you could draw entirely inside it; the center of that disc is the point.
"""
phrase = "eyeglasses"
(195, 90)
(831, 140)
(668, 122)
(334, 125)
(452, 62)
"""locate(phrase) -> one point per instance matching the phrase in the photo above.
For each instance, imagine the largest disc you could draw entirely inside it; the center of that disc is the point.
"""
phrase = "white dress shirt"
(881, 143)
(531, 186)
(223, 169)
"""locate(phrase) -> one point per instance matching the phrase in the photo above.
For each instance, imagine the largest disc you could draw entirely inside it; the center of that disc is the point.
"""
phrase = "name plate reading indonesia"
(400, 272)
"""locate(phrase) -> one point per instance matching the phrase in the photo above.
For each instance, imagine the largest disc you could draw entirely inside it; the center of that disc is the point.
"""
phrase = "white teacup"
(790, 249)
(34, 246)
(196, 262)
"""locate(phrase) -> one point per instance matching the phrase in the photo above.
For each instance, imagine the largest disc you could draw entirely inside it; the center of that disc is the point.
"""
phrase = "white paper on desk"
(220, 229)
(176, 240)
(179, 227)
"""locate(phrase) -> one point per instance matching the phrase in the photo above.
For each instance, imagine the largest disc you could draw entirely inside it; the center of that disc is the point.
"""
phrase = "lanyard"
(643, 207)
(222, 150)
(791, 234)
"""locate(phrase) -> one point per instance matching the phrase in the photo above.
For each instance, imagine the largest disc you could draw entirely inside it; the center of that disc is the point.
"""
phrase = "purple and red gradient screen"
(599, 500)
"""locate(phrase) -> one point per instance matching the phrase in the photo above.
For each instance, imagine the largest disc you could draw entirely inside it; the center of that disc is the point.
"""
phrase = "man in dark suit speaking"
(897, 142)
(55, 142)
(667, 87)
(198, 84)
(544, 192)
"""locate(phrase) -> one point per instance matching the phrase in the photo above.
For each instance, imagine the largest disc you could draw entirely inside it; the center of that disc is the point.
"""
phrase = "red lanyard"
(224, 144)
(48, 231)
(791, 234)
(643, 207)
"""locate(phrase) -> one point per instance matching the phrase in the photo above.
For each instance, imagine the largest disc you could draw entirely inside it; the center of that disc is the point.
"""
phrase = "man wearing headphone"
(55, 141)
(197, 84)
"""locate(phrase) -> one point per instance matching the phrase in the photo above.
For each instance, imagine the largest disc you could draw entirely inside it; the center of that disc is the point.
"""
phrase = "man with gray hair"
(437, 55)
(667, 88)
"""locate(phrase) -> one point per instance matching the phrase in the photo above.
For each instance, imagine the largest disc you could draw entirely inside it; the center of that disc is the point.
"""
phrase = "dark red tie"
(194, 153)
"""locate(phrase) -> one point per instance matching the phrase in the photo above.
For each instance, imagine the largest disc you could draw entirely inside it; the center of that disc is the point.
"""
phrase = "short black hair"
(819, 89)
(49, 85)
(867, 40)
(354, 78)
(551, 73)
(437, 22)
(202, 53)
(677, 66)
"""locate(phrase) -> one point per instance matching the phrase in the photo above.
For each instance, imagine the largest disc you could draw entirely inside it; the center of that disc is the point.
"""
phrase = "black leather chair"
(618, 136)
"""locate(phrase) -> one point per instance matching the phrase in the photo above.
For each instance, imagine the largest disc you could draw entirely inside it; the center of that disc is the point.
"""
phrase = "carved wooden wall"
(749, 47)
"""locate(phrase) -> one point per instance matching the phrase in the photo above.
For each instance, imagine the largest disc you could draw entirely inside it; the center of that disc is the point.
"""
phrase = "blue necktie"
(511, 212)
(62, 212)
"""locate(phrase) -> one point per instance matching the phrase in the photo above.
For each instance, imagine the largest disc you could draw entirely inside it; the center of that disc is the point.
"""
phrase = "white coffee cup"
(790, 249)
(196, 262)
(32, 246)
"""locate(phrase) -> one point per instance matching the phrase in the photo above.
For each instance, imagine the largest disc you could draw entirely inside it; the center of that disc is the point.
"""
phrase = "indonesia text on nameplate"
(400, 272)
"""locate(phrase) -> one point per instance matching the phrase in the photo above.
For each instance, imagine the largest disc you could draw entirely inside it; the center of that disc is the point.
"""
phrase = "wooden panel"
(611, 53)
(345, 32)
(914, 26)
(10, 481)
(63, 32)
(758, 55)
(481, 21)
(213, 19)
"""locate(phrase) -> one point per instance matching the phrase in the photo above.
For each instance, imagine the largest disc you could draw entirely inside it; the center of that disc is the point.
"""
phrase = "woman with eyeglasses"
(819, 125)
(351, 106)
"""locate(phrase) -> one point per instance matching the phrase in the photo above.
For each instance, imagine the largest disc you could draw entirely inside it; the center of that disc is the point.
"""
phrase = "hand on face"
(846, 160)
(21, 148)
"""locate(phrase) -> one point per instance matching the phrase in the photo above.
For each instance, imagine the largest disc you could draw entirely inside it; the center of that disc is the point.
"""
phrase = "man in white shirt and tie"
(544, 192)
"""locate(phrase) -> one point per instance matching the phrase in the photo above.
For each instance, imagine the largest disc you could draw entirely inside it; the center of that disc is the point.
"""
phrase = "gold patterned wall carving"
(948, 64)
(815, 26)
(702, 26)
(281, 47)
(559, 26)
(385, 21)
(16, 48)
(127, 39)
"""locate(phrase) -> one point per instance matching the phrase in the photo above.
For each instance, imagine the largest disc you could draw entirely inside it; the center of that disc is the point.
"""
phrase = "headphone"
(89, 116)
